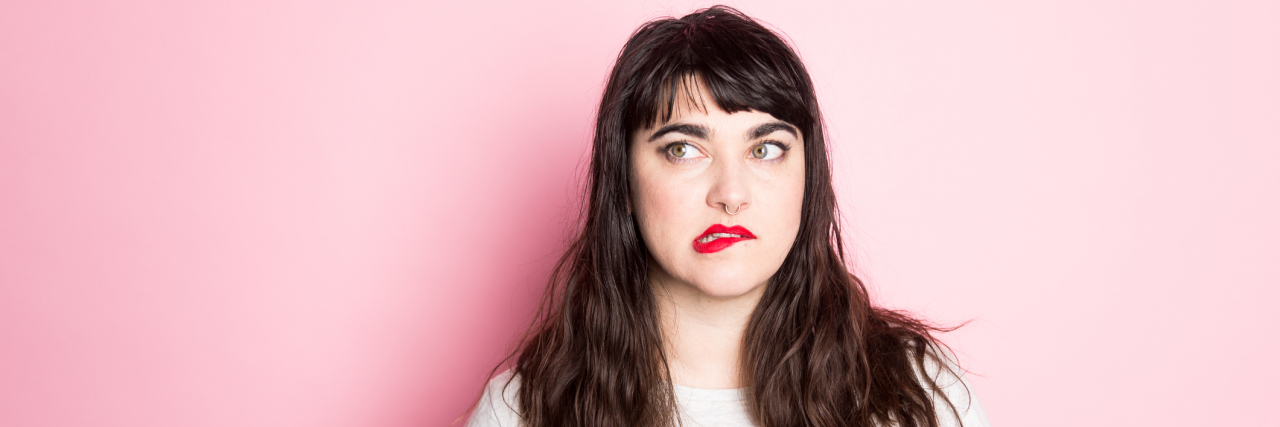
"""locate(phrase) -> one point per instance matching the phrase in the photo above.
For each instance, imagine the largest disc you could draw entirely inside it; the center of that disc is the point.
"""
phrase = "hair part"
(816, 351)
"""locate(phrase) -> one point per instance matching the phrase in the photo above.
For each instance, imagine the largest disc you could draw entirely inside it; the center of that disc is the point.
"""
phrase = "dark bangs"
(741, 64)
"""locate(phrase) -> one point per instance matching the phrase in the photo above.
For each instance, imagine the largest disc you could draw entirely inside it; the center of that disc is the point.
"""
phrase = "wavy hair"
(816, 351)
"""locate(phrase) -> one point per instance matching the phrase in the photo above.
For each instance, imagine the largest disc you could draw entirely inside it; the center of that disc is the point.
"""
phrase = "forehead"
(690, 100)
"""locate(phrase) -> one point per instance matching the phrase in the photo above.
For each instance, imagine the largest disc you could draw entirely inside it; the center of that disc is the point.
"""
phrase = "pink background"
(272, 213)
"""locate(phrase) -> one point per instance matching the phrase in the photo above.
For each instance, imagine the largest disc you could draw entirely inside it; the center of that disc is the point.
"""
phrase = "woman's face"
(687, 171)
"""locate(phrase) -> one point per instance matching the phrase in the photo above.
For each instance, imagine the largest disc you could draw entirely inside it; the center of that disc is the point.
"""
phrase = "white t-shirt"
(722, 408)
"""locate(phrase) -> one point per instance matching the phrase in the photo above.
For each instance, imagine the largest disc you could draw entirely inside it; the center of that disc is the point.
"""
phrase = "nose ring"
(735, 211)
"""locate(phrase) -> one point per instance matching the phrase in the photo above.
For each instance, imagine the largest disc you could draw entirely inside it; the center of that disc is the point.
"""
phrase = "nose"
(730, 191)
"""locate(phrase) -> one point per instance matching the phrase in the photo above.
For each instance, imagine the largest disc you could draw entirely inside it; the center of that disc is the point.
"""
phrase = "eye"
(767, 151)
(682, 150)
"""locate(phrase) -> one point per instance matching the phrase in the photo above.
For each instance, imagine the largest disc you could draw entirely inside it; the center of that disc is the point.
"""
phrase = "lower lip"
(716, 245)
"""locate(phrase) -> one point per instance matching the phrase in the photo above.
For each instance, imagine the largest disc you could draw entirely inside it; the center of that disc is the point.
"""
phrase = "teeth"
(714, 236)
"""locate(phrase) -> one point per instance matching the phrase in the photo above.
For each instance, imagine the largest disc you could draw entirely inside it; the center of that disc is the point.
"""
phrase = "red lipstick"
(713, 240)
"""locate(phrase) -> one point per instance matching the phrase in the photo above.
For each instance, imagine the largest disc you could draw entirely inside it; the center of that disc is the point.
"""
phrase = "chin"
(728, 286)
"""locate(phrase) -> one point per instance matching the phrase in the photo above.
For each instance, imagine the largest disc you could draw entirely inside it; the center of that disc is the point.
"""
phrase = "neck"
(702, 334)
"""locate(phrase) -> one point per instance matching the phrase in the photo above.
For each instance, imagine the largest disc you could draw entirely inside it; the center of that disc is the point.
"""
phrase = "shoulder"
(941, 367)
(498, 405)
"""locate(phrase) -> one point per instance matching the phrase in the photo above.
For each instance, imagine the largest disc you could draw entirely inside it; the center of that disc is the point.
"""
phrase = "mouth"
(718, 237)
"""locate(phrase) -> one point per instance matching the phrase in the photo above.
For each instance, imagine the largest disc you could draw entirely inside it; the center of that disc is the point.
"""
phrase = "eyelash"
(666, 151)
(785, 148)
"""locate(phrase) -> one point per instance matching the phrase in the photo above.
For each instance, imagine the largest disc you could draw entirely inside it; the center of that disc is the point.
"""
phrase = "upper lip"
(718, 228)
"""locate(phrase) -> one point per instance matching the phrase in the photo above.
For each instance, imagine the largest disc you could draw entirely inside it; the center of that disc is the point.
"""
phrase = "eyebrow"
(696, 131)
(699, 131)
(771, 127)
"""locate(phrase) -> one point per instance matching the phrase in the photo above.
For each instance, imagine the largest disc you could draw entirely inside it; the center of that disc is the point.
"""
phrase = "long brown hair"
(816, 351)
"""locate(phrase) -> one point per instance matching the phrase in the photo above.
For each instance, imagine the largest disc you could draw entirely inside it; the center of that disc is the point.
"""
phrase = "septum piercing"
(735, 211)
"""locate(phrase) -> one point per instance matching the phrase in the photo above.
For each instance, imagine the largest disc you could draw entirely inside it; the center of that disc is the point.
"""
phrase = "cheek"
(660, 207)
(666, 205)
(796, 196)
(785, 211)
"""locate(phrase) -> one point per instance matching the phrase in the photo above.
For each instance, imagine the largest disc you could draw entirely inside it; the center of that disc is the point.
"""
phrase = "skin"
(706, 300)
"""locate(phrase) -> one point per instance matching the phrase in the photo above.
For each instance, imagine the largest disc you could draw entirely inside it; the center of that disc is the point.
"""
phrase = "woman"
(707, 284)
